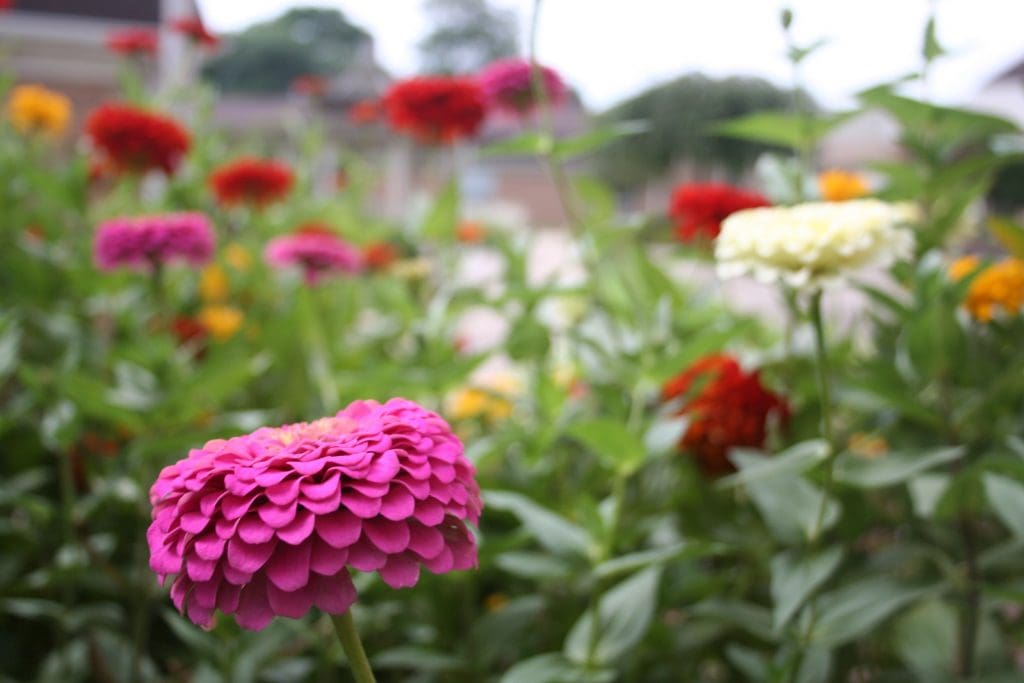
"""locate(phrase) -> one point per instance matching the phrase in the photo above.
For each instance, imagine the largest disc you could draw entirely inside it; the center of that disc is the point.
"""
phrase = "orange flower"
(470, 232)
(963, 266)
(1000, 286)
(837, 185)
(34, 109)
(379, 255)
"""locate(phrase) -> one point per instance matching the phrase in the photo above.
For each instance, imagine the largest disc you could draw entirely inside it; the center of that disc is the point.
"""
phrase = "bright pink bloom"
(268, 523)
(508, 85)
(145, 241)
(317, 249)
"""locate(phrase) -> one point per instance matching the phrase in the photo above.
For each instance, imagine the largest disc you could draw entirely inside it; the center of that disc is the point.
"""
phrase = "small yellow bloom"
(238, 257)
(213, 284)
(963, 266)
(868, 446)
(838, 186)
(34, 109)
(221, 322)
(490, 400)
(411, 268)
(1000, 286)
(495, 602)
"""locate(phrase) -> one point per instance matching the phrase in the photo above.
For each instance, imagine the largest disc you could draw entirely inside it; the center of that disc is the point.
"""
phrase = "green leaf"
(531, 142)
(625, 564)
(440, 221)
(926, 492)
(419, 659)
(1009, 233)
(892, 468)
(617, 447)
(796, 578)
(550, 529)
(796, 459)
(816, 666)
(537, 566)
(852, 611)
(625, 613)
(789, 504)
(594, 139)
(931, 49)
(553, 667)
(1007, 499)
(776, 128)
(926, 638)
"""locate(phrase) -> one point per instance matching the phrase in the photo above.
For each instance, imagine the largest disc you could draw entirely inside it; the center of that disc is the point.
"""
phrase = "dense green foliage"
(466, 35)
(267, 57)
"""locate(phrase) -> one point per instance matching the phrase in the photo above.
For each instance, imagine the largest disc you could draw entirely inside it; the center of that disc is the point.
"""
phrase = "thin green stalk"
(318, 365)
(825, 401)
(345, 627)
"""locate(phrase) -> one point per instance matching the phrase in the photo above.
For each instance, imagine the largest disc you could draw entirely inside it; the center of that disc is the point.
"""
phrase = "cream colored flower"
(810, 244)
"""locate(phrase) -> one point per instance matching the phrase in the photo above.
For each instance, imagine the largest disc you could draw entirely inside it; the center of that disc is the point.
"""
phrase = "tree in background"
(267, 57)
(466, 35)
(681, 114)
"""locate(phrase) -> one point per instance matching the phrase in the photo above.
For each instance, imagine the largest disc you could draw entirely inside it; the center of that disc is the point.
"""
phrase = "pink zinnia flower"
(317, 249)
(508, 85)
(268, 523)
(146, 241)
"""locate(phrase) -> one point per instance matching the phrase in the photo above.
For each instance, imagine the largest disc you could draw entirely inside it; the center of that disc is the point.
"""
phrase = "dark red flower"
(698, 209)
(132, 42)
(436, 109)
(310, 85)
(727, 408)
(379, 255)
(136, 140)
(365, 112)
(252, 181)
(194, 29)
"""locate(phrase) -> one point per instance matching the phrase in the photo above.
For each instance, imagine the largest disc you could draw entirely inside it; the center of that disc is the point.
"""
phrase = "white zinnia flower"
(813, 243)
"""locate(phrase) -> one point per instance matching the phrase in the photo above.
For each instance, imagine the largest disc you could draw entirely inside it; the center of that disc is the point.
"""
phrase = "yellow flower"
(838, 186)
(411, 268)
(1000, 286)
(213, 284)
(238, 257)
(868, 446)
(221, 322)
(490, 401)
(34, 109)
(962, 267)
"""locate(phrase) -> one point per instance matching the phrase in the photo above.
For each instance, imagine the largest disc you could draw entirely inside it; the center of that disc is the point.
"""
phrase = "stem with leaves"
(825, 400)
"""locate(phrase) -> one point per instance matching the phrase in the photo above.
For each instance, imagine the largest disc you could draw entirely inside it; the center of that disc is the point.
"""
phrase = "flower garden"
(247, 439)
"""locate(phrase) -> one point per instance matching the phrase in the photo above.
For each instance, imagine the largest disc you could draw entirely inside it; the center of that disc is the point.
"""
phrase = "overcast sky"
(610, 49)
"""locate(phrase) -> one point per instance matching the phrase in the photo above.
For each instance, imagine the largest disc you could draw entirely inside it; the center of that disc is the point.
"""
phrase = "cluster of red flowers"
(436, 109)
(727, 408)
(252, 181)
(136, 140)
(194, 29)
(133, 42)
(310, 85)
(698, 209)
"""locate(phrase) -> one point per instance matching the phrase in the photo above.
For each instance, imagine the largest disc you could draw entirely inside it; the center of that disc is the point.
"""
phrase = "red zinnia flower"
(379, 255)
(252, 181)
(727, 408)
(195, 30)
(364, 112)
(6, 5)
(436, 109)
(310, 85)
(132, 42)
(136, 140)
(698, 209)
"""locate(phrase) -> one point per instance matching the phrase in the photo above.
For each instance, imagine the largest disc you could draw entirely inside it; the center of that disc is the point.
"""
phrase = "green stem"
(353, 646)
(825, 400)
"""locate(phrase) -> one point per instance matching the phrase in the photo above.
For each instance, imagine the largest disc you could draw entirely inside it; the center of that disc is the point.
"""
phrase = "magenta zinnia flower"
(268, 523)
(146, 241)
(508, 85)
(317, 249)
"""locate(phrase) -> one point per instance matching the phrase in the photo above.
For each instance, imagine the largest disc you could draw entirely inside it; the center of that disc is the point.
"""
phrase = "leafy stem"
(825, 401)
(345, 627)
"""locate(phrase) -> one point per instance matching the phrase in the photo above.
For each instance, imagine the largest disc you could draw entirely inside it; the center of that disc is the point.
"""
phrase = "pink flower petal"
(199, 569)
(360, 505)
(254, 612)
(400, 572)
(278, 516)
(430, 512)
(292, 604)
(251, 529)
(340, 529)
(300, 528)
(249, 557)
(334, 594)
(365, 557)
(391, 537)
(210, 546)
(285, 492)
(397, 504)
(288, 567)
(194, 522)
(326, 560)
(427, 542)
(384, 468)
(319, 490)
